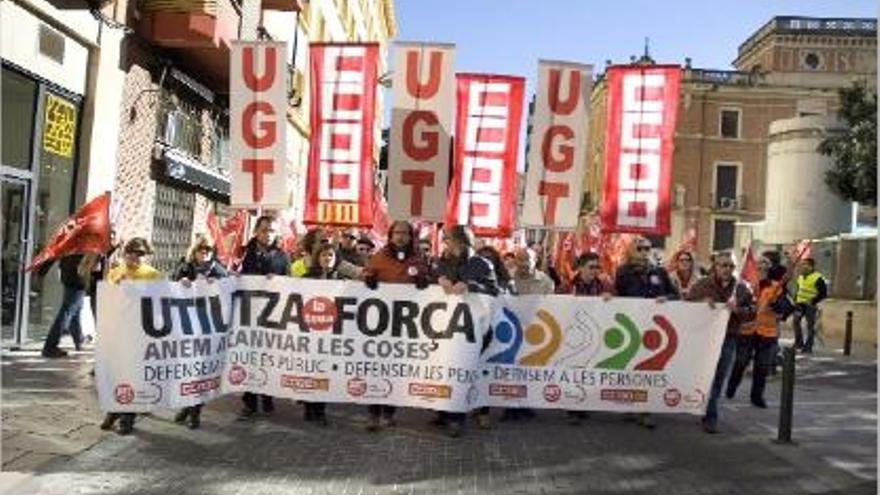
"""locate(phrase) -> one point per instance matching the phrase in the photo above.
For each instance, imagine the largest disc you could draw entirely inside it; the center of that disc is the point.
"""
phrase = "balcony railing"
(182, 129)
(190, 23)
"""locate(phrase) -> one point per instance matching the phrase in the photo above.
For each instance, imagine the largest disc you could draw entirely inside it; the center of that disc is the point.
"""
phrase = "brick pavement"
(835, 427)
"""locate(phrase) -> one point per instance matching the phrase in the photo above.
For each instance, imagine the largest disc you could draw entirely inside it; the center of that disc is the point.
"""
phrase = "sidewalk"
(52, 445)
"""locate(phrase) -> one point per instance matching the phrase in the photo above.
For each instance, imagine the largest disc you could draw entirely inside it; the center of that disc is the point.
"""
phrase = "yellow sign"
(337, 213)
(59, 127)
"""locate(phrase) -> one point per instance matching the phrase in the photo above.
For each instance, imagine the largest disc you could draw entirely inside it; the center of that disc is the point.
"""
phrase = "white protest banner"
(421, 130)
(257, 124)
(163, 345)
(558, 148)
(583, 353)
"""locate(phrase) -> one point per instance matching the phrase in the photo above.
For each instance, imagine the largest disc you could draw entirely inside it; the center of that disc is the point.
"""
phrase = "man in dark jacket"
(641, 278)
(71, 305)
(262, 257)
(722, 287)
(461, 270)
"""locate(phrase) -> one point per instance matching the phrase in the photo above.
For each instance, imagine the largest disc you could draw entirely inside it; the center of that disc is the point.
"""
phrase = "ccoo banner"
(558, 148)
(482, 193)
(421, 130)
(640, 126)
(339, 187)
(163, 345)
(258, 117)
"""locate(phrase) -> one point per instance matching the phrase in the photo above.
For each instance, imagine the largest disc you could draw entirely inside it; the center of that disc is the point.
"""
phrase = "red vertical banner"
(640, 127)
(339, 187)
(482, 193)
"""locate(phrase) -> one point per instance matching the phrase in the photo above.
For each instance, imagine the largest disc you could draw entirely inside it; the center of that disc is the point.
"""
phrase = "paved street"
(835, 429)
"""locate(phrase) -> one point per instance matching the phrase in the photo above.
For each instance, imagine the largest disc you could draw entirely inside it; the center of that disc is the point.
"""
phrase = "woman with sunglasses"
(199, 263)
(684, 272)
(133, 268)
(640, 277)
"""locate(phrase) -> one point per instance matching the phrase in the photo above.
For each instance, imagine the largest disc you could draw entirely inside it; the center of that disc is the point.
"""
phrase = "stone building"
(790, 67)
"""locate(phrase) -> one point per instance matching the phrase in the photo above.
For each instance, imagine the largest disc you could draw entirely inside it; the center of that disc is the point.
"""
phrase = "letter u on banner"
(421, 130)
(483, 189)
(558, 148)
(640, 127)
(258, 124)
(339, 186)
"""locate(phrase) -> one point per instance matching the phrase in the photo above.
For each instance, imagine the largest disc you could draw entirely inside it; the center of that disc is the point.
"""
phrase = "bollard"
(786, 403)
(847, 336)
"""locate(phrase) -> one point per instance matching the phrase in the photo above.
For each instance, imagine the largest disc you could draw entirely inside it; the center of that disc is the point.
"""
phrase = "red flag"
(565, 258)
(87, 231)
(229, 238)
(339, 185)
(749, 272)
(482, 192)
(801, 251)
(642, 106)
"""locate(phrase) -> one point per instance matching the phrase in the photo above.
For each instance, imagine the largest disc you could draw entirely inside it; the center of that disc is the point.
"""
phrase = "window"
(19, 109)
(730, 123)
(723, 233)
(726, 187)
(172, 226)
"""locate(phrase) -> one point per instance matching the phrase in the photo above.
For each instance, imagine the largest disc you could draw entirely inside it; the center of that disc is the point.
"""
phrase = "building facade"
(791, 67)
(61, 91)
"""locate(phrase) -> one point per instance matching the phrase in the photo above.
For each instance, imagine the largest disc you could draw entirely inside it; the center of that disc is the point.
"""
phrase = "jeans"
(378, 410)
(807, 311)
(725, 360)
(762, 350)
(67, 319)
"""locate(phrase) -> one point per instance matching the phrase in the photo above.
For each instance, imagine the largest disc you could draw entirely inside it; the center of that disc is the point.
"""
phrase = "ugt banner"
(483, 189)
(558, 150)
(339, 186)
(163, 345)
(258, 122)
(640, 126)
(421, 130)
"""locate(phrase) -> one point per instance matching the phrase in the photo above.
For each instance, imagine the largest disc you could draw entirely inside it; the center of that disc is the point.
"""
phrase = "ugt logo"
(627, 340)
(545, 335)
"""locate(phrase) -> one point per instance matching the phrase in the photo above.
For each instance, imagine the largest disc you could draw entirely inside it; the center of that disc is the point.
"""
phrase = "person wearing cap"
(462, 270)
(398, 262)
(132, 269)
(365, 248)
(347, 249)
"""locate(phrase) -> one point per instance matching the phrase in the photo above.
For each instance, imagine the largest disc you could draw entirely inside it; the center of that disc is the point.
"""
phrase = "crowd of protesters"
(465, 265)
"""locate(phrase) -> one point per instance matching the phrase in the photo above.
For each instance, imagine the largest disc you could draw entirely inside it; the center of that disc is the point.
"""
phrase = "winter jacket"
(474, 270)
(708, 288)
(596, 287)
(190, 270)
(644, 281)
(264, 261)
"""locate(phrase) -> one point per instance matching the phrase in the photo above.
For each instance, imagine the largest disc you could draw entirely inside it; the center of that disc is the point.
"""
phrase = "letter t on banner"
(558, 150)
(258, 124)
(421, 126)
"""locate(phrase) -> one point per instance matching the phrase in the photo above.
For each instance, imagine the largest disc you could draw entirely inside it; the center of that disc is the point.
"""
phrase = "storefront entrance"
(37, 177)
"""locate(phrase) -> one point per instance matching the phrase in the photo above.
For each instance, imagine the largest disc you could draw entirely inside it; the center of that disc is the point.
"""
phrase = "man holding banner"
(722, 287)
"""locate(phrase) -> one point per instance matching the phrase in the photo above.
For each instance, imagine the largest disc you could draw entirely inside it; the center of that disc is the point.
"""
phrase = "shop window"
(19, 99)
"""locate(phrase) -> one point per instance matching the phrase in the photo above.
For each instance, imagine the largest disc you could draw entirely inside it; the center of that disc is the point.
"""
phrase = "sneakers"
(646, 421)
(195, 420)
(759, 402)
(54, 353)
(109, 421)
(710, 427)
(246, 413)
(181, 416)
(126, 424)
(374, 424)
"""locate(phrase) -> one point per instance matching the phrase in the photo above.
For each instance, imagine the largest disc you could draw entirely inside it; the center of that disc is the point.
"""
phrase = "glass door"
(14, 195)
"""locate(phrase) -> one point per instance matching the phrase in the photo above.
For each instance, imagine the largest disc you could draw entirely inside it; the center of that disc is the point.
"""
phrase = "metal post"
(786, 404)
(847, 338)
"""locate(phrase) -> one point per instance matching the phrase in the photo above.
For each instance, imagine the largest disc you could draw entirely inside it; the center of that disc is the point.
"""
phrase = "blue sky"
(510, 36)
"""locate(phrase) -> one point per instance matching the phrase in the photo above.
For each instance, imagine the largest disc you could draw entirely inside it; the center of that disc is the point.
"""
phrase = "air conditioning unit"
(728, 203)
